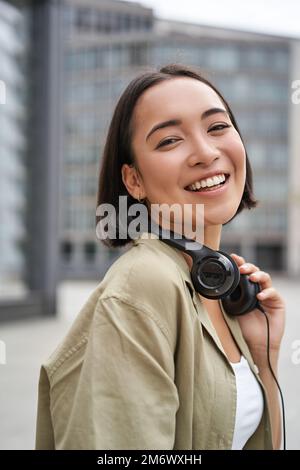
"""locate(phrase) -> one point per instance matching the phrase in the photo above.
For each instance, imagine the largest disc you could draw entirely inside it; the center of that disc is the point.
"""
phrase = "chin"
(219, 219)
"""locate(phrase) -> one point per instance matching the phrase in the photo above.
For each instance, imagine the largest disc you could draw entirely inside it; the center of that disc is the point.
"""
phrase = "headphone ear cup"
(215, 275)
(236, 271)
(243, 299)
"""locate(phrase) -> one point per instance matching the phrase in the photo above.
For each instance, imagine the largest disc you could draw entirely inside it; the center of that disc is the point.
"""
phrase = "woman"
(149, 363)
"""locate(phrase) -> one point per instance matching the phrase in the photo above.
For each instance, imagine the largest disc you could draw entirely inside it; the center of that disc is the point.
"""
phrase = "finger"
(245, 268)
(238, 259)
(248, 268)
(263, 278)
(269, 293)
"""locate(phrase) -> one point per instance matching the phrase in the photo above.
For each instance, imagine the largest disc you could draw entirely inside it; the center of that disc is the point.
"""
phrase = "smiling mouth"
(208, 184)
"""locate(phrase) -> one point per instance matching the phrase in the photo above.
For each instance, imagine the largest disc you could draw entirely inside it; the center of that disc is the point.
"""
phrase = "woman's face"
(183, 135)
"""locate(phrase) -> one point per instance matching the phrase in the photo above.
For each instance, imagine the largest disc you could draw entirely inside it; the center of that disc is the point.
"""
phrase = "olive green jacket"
(142, 366)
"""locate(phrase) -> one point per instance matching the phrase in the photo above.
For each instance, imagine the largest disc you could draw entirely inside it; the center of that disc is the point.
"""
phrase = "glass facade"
(13, 137)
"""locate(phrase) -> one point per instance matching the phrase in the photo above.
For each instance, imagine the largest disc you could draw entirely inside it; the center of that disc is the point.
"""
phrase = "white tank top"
(249, 406)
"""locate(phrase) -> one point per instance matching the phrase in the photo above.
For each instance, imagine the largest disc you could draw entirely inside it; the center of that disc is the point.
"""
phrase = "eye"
(165, 142)
(219, 127)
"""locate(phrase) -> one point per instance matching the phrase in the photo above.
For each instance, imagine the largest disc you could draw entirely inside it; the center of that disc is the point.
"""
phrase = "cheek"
(238, 154)
(158, 171)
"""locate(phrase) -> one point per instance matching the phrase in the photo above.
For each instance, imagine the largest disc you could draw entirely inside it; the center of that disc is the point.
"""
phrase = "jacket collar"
(175, 254)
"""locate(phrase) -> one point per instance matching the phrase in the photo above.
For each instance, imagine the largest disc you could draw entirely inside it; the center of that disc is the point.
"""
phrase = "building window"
(67, 250)
(257, 153)
(99, 22)
(68, 18)
(223, 58)
(148, 23)
(271, 187)
(107, 22)
(255, 58)
(127, 22)
(91, 186)
(270, 257)
(277, 156)
(280, 61)
(136, 22)
(83, 19)
(90, 251)
(138, 54)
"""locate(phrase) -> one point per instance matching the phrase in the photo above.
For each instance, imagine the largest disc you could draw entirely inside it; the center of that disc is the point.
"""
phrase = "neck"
(212, 238)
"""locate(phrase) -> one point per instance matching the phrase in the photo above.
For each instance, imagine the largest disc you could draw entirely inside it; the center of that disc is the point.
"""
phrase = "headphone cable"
(274, 376)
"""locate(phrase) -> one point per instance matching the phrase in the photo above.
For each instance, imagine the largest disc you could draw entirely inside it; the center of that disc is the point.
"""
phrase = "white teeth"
(208, 182)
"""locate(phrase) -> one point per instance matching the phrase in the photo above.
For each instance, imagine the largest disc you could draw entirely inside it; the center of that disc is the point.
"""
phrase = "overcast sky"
(281, 17)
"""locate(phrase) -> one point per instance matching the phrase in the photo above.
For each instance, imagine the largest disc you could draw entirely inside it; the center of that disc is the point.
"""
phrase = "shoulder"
(144, 273)
(148, 279)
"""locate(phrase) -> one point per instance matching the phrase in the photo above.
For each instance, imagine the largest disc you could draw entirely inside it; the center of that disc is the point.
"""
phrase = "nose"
(203, 152)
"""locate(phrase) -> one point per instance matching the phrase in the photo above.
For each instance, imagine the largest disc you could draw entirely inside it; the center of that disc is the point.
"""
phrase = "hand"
(253, 324)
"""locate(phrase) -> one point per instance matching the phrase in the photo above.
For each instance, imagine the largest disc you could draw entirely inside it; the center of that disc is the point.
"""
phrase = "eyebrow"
(177, 122)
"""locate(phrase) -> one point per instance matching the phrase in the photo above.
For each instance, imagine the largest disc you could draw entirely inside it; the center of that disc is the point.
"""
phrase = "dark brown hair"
(118, 149)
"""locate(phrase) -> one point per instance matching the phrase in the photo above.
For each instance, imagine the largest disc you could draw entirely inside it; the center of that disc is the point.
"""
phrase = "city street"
(29, 343)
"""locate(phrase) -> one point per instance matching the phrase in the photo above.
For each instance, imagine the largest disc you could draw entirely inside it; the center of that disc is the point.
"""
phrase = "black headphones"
(215, 274)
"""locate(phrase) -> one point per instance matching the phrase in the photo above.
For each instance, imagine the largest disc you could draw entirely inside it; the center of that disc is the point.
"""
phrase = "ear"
(132, 181)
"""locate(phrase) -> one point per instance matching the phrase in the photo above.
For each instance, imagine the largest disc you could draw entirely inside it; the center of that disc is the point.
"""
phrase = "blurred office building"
(30, 157)
(84, 53)
(14, 46)
(106, 43)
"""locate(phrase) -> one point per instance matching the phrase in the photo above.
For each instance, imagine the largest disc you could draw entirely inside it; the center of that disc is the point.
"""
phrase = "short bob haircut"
(118, 148)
